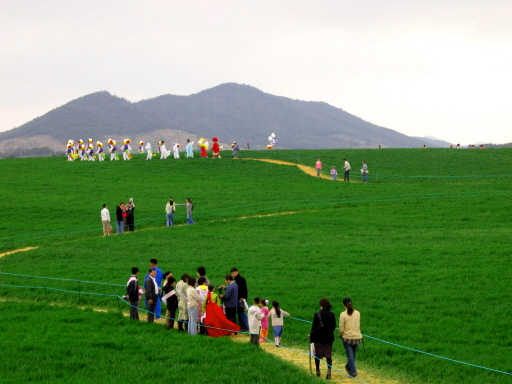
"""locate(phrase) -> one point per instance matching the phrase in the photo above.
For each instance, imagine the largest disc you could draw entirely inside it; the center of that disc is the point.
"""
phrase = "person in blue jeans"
(350, 334)
(242, 297)
(169, 211)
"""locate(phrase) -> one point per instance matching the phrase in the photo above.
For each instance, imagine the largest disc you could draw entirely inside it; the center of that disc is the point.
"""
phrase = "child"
(334, 172)
(264, 321)
(276, 313)
(170, 299)
(255, 316)
(202, 289)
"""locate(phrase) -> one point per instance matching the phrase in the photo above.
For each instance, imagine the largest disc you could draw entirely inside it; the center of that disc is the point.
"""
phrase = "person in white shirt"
(346, 175)
(105, 218)
(255, 316)
(149, 151)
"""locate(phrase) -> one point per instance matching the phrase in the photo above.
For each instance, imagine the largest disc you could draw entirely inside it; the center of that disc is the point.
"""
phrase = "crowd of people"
(125, 215)
(196, 307)
(346, 167)
(91, 151)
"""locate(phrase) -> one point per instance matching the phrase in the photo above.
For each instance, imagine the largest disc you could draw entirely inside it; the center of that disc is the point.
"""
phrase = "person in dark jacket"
(132, 293)
(130, 210)
(171, 300)
(242, 297)
(322, 335)
(151, 294)
(119, 218)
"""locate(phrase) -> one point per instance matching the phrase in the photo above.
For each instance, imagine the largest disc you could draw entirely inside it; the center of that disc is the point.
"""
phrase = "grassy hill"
(423, 249)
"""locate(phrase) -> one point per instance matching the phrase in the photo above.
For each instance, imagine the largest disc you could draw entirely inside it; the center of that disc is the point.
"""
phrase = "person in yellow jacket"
(350, 334)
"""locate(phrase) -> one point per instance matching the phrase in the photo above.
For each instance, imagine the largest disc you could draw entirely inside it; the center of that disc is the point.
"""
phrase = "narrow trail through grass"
(308, 170)
(297, 356)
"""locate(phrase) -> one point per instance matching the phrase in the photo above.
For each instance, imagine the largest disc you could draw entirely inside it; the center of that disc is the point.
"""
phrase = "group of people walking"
(346, 167)
(322, 335)
(197, 308)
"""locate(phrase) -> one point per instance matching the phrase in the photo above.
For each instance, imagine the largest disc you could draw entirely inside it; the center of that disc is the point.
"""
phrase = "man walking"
(132, 293)
(242, 297)
(105, 218)
(151, 294)
(346, 175)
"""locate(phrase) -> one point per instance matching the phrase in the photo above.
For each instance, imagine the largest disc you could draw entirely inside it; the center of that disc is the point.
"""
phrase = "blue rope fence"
(293, 318)
(262, 208)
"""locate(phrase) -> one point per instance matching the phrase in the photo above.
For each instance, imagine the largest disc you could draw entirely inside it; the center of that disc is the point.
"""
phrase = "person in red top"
(216, 148)
(318, 166)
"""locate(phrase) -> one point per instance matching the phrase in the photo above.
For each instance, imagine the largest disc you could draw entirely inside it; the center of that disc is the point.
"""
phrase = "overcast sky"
(440, 68)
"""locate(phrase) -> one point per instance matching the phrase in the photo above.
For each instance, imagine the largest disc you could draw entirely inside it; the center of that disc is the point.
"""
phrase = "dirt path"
(309, 170)
(17, 250)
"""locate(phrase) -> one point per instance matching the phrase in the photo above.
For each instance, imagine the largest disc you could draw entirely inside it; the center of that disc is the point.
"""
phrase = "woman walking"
(318, 167)
(350, 334)
(322, 335)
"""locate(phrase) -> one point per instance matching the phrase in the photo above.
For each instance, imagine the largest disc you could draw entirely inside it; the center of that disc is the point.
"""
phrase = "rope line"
(293, 318)
(60, 279)
(416, 350)
(278, 205)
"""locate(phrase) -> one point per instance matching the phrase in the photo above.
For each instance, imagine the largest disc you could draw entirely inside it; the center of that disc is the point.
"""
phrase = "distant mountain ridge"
(232, 112)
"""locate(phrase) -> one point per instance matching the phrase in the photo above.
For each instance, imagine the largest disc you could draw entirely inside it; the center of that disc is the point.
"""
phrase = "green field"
(423, 249)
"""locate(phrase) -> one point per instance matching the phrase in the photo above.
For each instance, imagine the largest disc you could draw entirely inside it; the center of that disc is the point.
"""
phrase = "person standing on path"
(334, 172)
(346, 175)
(322, 335)
(119, 218)
(364, 171)
(130, 210)
(105, 218)
(190, 208)
(350, 334)
(181, 290)
(193, 301)
(169, 211)
(153, 264)
(235, 149)
(242, 298)
(230, 298)
(132, 293)
(151, 294)
(255, 316)
(318, 167)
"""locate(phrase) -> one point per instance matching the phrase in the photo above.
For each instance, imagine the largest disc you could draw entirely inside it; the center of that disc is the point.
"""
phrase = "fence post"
(78, 291)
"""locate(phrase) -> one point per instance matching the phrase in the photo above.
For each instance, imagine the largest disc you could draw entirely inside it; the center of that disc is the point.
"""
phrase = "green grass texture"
(423, 249)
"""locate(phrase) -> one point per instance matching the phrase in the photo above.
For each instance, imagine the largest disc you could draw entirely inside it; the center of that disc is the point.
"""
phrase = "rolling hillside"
(228, 111)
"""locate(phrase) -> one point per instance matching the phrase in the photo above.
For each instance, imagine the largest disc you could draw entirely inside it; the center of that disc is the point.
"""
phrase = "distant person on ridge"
(318, 167)
(189, 149)
(346, 175)
(364, 171)
(235, 149)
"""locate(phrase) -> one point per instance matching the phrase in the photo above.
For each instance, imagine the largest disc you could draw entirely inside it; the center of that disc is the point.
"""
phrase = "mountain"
(430, 141)
(232, 112)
